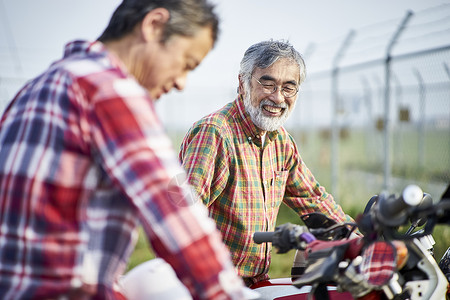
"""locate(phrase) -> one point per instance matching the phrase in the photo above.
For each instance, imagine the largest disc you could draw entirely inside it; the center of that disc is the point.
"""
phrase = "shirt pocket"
(278, 188)
(275, 196)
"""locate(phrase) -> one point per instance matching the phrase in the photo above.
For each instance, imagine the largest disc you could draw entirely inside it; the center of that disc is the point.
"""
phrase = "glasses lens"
(268, 88)
(289, 91)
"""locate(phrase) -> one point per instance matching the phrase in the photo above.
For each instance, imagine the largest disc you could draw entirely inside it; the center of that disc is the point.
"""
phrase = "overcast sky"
(33, 33)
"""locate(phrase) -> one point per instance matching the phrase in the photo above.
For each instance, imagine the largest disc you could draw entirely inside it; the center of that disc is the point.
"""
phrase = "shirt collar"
(80, 47)
(252, 132)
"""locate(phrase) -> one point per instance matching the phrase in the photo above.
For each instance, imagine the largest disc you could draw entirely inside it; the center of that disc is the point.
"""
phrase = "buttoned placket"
(257, 143)
(265, 176)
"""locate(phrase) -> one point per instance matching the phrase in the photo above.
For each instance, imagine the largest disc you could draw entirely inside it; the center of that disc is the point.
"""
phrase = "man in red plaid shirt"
(84, 160)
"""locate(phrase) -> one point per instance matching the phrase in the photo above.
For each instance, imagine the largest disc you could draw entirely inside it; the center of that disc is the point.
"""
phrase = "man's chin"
(155, 96)
(269, 126)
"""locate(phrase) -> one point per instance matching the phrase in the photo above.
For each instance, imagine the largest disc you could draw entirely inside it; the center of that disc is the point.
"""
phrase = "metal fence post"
(335, 110)
(422, 95)
(368, 103)
(447, 71)
(387, 110)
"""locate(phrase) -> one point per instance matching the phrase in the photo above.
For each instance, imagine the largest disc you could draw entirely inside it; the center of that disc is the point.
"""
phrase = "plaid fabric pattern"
(243, 182)
(83, 160)
(379, 263)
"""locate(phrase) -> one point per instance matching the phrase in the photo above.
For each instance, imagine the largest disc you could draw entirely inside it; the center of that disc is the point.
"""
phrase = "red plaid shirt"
(83, 160)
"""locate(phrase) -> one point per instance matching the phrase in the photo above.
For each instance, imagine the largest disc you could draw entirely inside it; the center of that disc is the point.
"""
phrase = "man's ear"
(153, 24)
(241, 85)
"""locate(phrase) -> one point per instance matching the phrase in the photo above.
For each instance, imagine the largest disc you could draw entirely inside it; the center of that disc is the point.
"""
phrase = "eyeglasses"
(288, 90)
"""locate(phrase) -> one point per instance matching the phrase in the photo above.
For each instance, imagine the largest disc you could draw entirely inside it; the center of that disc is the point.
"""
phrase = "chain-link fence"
(377, 106)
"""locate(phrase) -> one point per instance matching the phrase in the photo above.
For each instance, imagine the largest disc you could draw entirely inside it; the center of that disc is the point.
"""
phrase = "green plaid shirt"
(243, 182)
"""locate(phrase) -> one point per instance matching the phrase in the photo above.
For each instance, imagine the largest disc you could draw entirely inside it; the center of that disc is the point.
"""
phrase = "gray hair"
(186, 18)
(263, 54)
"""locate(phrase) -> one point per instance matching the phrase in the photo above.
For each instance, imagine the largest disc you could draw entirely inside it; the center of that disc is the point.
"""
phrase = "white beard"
(262, 121)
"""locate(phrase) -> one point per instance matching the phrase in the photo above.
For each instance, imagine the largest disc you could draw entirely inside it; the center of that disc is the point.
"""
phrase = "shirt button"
(29, 233)
(76, 283)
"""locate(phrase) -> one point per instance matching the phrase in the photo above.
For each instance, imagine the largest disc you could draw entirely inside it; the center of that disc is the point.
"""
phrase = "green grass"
(142, 251)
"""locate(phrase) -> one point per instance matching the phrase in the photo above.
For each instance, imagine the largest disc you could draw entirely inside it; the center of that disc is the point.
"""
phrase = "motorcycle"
(384, 263)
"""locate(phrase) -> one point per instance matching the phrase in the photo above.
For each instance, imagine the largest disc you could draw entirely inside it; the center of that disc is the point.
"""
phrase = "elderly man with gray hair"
(244, 164)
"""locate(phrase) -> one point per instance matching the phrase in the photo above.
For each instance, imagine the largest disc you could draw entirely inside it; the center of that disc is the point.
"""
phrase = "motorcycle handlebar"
(285, 237)
(392, 210)
(263, 237)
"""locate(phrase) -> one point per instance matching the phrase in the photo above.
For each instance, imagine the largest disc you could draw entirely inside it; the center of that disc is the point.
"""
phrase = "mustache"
(271, 103)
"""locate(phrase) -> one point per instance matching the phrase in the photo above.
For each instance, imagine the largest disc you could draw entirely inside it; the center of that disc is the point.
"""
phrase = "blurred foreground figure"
(84, 160)
(244, 164)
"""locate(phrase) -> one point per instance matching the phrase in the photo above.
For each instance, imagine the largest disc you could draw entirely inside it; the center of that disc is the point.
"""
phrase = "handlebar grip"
(263, 237)
(392, 210)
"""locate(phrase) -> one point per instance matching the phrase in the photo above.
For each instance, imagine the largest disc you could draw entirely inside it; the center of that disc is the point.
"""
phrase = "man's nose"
(277, 97)
(180, 82)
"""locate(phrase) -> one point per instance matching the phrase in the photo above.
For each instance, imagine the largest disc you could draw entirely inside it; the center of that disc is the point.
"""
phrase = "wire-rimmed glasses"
(288, 90)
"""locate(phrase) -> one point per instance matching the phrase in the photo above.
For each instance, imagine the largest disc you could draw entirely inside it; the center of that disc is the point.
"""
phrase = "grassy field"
(361, 152)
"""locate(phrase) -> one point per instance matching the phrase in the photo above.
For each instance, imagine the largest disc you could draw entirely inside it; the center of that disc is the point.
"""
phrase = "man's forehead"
(282, 63)
(286, 70)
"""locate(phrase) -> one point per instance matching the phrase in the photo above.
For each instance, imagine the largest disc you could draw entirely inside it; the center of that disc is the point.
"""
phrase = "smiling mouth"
(273, 110)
